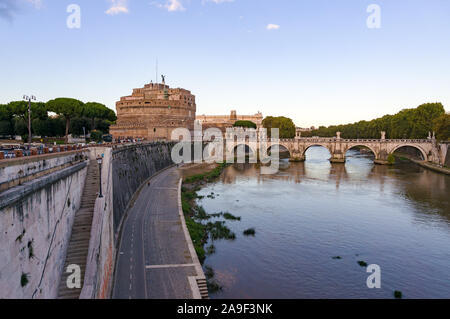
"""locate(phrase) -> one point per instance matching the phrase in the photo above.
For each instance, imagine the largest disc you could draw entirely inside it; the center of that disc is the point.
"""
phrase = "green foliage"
(229, 216)
(69, 108)
(6, 128)
(20, 127)
(77, 124)
(208, 177)
(362, 263)
(15, 117)
(200, 213)
(24, 279)
(398, 294)
(250, 232)
(96, 136)
(198, 236)
(408, 123)
(218, 230)
(6, 124)
(20, 109)
(66, 107)
(97, 111)
(246, 124)
(73, 115)
(391, 159)
(284, 124)
(30, 249)
(441, 126)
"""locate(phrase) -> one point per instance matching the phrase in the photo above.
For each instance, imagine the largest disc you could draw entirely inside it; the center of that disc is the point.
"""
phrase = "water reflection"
(397, 217)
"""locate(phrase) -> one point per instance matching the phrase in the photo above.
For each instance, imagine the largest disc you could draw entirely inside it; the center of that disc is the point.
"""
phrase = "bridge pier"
(297, 157)
(381, 162)
(382, 156)
(337, 160)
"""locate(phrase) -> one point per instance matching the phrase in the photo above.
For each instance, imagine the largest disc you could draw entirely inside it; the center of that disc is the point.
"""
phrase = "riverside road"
(154, 260)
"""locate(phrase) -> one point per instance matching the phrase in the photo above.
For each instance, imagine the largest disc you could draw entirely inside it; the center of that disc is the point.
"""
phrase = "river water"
(396, 217)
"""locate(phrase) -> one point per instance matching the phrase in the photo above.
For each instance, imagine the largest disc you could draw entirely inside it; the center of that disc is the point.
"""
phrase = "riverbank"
(433, 167)
(205, 227)
(194, 177)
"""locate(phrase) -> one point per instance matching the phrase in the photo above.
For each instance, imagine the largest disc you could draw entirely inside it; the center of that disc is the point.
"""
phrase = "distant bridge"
(381, 148)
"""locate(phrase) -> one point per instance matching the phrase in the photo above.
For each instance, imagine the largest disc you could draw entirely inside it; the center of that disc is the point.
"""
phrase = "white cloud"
(271, 26)
(117, 6)
(170, 5)
(174, 5)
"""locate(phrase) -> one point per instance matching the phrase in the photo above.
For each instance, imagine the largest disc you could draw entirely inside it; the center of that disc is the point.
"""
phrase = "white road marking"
(169, 266)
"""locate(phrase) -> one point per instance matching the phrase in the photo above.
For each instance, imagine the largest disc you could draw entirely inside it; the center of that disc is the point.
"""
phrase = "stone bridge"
(381, 148)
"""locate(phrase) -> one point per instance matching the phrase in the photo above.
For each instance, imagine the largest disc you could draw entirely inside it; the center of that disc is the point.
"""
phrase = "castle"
(154, 111)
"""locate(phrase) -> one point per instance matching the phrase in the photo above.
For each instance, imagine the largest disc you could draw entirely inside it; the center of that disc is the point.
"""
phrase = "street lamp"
(29, 98)
(99, 161)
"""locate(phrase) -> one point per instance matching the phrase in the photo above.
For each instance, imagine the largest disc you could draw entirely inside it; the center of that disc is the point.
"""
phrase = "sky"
(319, 62)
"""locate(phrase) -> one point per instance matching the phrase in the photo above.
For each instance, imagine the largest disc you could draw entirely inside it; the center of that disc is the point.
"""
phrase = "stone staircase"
(81, 233)
(202, 286)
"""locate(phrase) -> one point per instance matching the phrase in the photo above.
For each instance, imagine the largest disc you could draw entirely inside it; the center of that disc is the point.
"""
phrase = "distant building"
(307, 129)
(226, 121)
(300, 130)
(153, 112)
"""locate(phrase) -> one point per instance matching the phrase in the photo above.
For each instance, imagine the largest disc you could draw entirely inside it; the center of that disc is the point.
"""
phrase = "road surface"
(154, 260)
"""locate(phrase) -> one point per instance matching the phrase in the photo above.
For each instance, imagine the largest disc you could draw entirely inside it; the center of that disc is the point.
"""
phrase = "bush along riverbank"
(204, 227)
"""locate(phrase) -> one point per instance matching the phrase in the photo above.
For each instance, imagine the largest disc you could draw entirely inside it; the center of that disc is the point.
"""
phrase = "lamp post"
(29, 98)
(99, 161)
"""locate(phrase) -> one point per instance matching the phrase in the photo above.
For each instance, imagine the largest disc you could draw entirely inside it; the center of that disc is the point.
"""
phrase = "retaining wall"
(36, 218)
(132, 166)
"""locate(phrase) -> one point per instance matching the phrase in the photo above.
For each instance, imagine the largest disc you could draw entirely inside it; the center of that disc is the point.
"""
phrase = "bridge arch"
(282, 148)
(242, 152)
(316, 144)
(370, 147)
(421, 150)
(246, 146)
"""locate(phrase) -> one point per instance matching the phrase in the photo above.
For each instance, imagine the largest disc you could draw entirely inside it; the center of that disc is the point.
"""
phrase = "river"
(396, 217)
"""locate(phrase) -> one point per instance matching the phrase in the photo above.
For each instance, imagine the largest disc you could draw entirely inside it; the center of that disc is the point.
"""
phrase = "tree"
(21, 127)
(96, 136)
(408, 123)
(69, 108)
(93, 111)
(6, 125)
(77, 124)
(441, 126)
(285, 125)
(247, 124)
(19, 110)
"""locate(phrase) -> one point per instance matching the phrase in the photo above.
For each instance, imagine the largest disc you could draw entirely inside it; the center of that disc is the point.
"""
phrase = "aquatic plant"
(250, 232)
(362, 263)
(398, 294)
(229, 216)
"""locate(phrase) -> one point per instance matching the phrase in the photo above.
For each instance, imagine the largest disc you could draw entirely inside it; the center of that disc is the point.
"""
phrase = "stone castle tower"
(153, 112)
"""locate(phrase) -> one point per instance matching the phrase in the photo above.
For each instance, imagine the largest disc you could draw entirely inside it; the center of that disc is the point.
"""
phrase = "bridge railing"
(334, 139)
